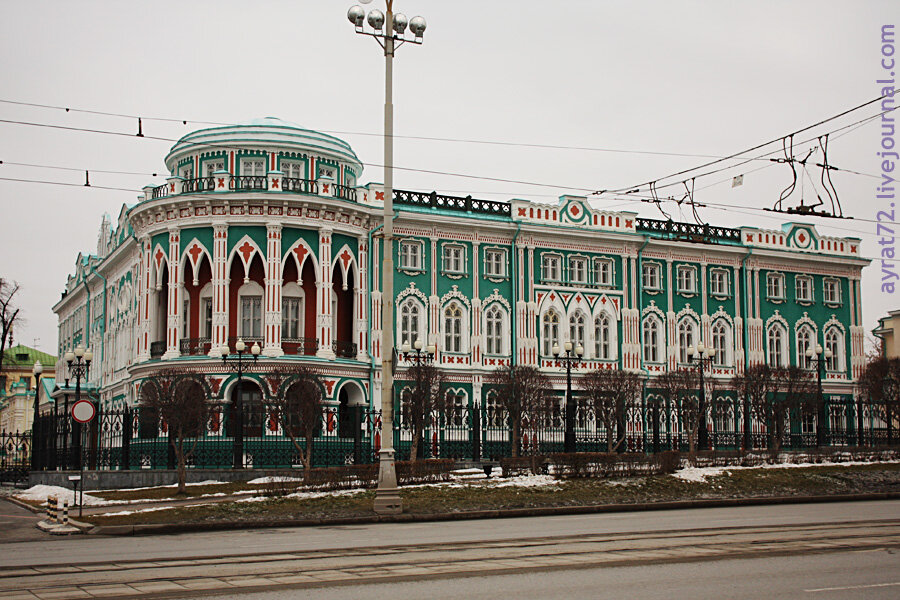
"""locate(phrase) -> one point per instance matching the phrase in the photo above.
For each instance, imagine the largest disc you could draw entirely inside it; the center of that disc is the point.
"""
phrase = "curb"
(169, 528)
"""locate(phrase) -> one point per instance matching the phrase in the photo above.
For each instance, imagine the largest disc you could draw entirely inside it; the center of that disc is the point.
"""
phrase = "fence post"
(126, 439)
(170, 450)
(476, 433)
(357, 434)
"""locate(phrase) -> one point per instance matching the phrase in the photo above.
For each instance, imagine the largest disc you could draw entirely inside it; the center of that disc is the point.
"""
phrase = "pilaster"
(272, 322)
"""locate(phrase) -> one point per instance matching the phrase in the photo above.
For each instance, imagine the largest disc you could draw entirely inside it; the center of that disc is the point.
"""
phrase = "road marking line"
(854, 587)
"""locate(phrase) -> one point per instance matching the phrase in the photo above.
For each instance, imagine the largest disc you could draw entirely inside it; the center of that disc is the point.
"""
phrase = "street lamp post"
(79, 364)
(569, 356)
(702, 356)
(418, 354)
(237, 362)
(36, 421)
(819, 358)
(388, 31)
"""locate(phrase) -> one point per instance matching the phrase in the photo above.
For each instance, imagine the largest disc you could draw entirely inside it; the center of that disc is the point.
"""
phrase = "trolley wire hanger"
(803, 208)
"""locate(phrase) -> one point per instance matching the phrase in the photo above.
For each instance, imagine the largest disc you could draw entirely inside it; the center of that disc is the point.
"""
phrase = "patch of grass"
(476, 495)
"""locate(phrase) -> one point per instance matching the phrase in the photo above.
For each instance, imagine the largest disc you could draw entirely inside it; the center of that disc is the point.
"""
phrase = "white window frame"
(577, 329)
(604, 272)
(453, 317)
(803, 288)
(687, 279)
(652, 348)
(411, 252)
(551, 267)
(834, 341)
(775, 286)
(253, 166)
(326, 171)
(651, 276)
(719, 283)
(720, 332)
(292, 293)
(687, 338)
(255, 299)
(211, 166)
(776, 345)
(549, 331)
(410, 322)
(806, 338)
(293, 169)
(495, 262)
(494, 330)
(453, 258)
(578, 269)
(831, 291)
(604, 337)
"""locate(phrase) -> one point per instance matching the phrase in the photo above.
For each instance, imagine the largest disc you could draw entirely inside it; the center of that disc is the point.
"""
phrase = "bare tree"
(610, 393)
(523, 397)
(681, 389)
(422, 401)
(756, 388)
(296, 405)
(880, 384)
(9, 315)
(795, 393)
(179, 398)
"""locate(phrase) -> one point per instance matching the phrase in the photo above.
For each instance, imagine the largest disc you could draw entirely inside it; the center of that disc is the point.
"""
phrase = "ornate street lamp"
(569, 356)
(702, 356)
(79, 364)
(819, 357)
(389, 31)
(36, 421)
(236, 362)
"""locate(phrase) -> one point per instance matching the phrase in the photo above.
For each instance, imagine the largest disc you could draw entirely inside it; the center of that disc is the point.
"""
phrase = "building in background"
(17, 387)
(263, 232)
(888, 331)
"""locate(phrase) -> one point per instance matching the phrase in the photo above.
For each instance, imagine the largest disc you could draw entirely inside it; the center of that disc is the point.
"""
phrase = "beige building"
(17, 385)
(889, 331)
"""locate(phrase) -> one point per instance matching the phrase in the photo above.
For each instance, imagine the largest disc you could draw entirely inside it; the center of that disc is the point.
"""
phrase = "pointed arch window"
(453, 317)
(652, 331)
(550, 331)
(805, 341)
(775, 343)
(602, 337)
(576, 329)
(834, 341)
(493, 320)
(720, 343)
(687, 338)
(410, 322)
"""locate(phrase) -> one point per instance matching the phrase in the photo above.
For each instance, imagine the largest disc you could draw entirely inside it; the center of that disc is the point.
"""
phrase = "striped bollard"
(51, 508)
(65, 513)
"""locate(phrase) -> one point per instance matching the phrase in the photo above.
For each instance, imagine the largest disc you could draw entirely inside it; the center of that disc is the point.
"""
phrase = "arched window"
(250, 303)
(805, 341)
(493, 329)
(834, 341)
(455, 408)
(652, 331)
(775, 343)
(550, 331)
(453, 328)
(576, 329)
(410, 322)
(602, 345)
(720, 343)
(292, 311)
(687, 337)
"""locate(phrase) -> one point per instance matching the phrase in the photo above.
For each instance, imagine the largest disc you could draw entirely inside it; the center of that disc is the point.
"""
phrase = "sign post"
(83, 412)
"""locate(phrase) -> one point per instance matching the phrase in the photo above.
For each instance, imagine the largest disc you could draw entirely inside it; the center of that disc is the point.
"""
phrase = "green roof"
(23, 356)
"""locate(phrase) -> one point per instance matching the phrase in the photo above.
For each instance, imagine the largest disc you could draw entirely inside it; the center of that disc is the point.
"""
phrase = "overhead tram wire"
(739, 154)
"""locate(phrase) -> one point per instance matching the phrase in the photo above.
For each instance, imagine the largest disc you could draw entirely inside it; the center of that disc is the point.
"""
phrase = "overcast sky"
(630, 78)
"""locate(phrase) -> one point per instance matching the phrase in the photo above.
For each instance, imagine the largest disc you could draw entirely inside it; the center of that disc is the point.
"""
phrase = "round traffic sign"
(83, 411)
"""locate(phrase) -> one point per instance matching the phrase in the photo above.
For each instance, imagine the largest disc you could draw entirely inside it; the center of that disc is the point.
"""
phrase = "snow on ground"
(262, 480)
(699, 474)
(41, 492)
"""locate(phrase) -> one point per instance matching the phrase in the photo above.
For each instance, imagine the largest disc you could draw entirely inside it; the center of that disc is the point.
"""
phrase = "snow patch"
(41, 492)
(262, 480)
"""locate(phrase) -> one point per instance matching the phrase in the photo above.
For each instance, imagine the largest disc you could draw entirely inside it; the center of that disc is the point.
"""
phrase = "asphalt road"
(797, 550)
(18, 524)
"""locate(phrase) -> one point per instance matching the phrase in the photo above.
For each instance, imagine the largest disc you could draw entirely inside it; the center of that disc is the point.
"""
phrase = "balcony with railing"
(303, 346)
(157, 349)
(452, 203)
(343, 349)
(194, 346)
(688, 232)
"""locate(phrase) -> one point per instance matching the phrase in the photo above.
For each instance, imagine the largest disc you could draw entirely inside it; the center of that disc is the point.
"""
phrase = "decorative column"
(755, 326)
(173, 319)
(220, 289)
(704, 307)
(272, 344)
(857, 332)
(671, 333)
(375, 323)
(521, 306)
(434, 301)
(630, 341)
(475, 341)
(359, 299)
(142, 289)
(325, 317)
(738, 341)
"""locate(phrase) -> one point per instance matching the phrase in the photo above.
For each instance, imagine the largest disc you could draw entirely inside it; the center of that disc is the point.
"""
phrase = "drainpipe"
(512, 318)
(640, 296)
(746, 306)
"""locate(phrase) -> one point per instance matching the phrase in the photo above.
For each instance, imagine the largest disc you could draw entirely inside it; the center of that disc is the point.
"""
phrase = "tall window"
(603, 272)
(211, 166)
(251, 316)
(550, 267)
(494, 330)
(493, 412)
(775, 286)
(453, 328)
(804, 342)
(186, 319)
(650, 274)
(832, 289)
(291, 323)
(453, 259)
(652, 338)
(833, 342)
(718, 282)
(495, 263)
(550, 331)
(253, 166)
(686, 338)
(687, 279)
(409, 322)
(455, 408)
(411, 255)
(578, 269)
(775, 340)
(602, 346)
(206, 315)
(803, 285)
(720, 343)
(293, 169)
(576, 329)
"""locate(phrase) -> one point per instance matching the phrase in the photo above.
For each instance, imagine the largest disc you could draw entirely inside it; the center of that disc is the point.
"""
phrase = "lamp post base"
(387, 496)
